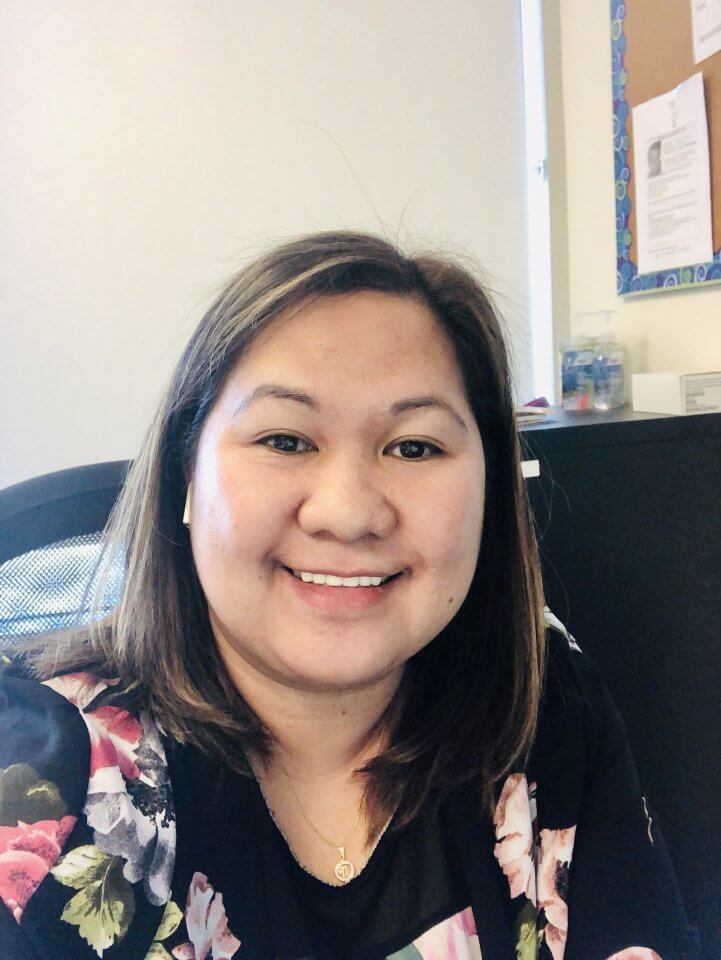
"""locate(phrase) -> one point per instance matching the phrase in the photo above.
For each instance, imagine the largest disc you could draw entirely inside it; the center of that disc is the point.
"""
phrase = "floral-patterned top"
(117, 842)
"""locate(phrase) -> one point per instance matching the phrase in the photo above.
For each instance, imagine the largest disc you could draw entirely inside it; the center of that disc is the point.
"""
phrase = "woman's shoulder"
(44, 771)
(599, 832)
(84, 789)
(571, 672)
(577, 712)
(64, 730)
(46, 721)
(71, 694)
(44, 747)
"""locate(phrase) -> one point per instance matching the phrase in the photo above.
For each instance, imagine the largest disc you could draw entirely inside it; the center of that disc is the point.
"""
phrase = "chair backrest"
(51, 538)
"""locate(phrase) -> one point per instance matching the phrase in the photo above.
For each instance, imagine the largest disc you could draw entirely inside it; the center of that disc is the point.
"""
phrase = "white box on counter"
(677, 393)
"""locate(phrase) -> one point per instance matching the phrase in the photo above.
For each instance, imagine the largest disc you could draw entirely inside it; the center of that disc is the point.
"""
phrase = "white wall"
(150, 148)
(664, 331)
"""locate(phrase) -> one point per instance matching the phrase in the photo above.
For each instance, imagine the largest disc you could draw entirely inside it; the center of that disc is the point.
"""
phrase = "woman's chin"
(337, 678)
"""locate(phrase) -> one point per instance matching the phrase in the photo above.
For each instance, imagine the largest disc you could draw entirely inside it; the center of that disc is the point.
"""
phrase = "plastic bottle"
(593, 364)
(609, 375)
(576, 373)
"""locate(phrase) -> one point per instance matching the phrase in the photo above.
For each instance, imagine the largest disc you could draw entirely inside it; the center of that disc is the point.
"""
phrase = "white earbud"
(186, 512)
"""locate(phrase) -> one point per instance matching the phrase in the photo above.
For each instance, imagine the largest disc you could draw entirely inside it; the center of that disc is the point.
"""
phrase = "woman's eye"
(411, 448)
(287, 442)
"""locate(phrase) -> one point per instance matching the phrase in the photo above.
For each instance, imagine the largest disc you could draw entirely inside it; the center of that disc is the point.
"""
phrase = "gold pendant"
(344, 869)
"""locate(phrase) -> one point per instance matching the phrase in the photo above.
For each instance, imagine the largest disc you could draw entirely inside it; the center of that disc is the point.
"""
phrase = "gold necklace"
(290, 848)
(344, 869)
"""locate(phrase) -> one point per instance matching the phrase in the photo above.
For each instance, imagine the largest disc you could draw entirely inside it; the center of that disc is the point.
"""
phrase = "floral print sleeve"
(578, 842)
(41, 796)
(87, 824)
(87, 831)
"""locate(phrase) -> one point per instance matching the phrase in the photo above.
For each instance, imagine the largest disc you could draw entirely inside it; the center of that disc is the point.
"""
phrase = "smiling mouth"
(380, 585)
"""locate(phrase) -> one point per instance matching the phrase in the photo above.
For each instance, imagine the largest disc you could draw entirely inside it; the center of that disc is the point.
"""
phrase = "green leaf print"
(24, 796)
(81, 866)
(103, 909)
(526, 936)
(168, 925)
(407, 953)
(157, 952)
(170, 922)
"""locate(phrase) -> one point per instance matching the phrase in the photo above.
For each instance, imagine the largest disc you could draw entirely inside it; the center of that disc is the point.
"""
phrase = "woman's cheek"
(455, 521)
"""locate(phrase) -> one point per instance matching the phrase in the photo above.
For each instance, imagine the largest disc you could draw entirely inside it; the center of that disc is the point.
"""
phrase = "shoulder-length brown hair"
(470, 701)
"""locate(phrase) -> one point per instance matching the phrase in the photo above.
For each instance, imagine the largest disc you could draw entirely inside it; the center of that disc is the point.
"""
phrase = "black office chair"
(51, 536)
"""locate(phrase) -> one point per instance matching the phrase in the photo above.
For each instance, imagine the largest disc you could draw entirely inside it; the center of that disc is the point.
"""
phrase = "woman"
(330, 716)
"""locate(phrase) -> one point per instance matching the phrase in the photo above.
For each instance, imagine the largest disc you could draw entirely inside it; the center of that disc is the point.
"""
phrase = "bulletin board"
(652, 51)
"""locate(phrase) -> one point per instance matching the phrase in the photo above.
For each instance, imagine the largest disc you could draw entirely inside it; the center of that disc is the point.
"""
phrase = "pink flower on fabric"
(553, 864)
(514, 848)
(635, 953)
(27, 852)
(114, 739)
(114, 733)
(468, 921)
(207, 924)
(125, 748)
(453, 939)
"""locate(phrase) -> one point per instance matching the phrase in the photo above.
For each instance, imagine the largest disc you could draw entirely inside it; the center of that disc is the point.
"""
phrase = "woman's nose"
(349, 500)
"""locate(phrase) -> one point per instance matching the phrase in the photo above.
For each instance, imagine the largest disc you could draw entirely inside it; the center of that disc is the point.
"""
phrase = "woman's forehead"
(365, 338)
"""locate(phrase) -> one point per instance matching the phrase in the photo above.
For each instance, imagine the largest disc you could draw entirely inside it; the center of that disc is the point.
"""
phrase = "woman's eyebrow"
(280, 392)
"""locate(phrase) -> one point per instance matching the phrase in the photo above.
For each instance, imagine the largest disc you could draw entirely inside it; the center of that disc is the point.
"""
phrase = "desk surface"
(558, 417)
(562, 429)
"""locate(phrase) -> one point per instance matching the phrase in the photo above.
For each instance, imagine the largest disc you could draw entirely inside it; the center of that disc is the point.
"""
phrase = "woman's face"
(340, 483)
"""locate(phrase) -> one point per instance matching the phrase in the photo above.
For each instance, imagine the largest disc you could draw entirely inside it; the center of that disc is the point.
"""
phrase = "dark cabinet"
(628, 514)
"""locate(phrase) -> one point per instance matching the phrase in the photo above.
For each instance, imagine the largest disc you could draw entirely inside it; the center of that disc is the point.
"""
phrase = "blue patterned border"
(628, 279)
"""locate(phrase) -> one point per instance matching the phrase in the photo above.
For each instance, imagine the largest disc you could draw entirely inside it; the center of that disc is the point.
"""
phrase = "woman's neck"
(321, 735)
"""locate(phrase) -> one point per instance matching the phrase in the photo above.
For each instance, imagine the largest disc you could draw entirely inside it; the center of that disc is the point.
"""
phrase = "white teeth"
(330, 581)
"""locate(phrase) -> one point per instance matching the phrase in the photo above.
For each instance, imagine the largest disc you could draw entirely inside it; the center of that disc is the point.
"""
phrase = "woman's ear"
(186, 512)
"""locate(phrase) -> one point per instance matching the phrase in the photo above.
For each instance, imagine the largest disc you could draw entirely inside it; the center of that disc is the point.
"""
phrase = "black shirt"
(116, 841)
(409, 886)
